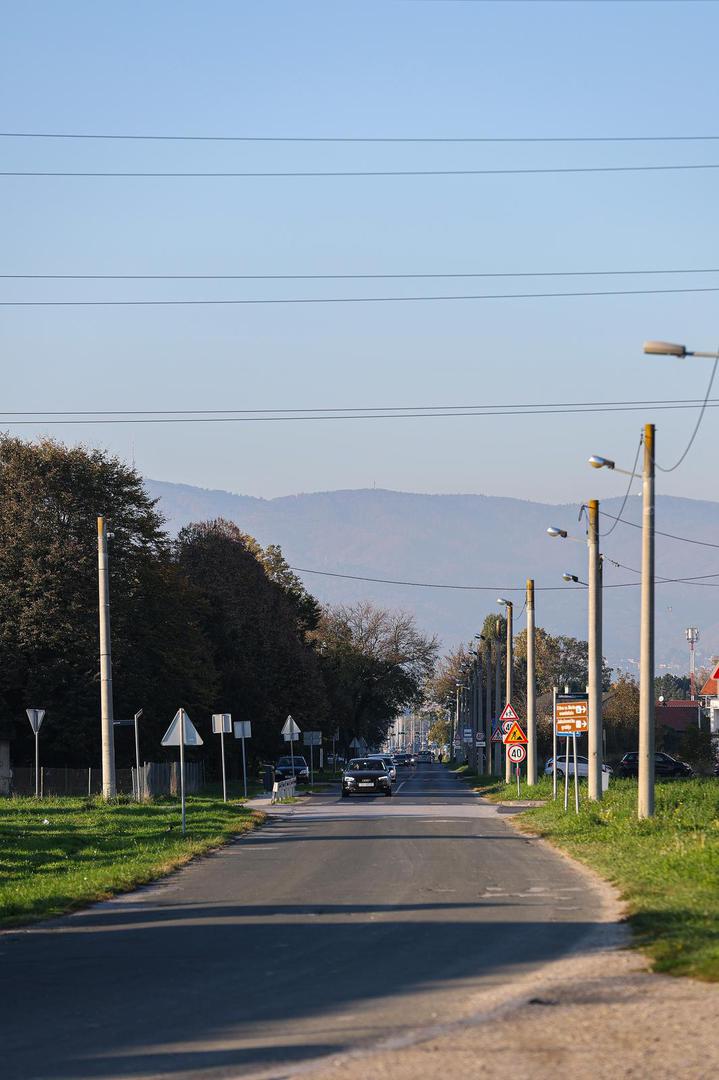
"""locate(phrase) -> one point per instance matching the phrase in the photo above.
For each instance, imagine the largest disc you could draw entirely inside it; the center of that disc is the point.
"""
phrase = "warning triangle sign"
(514, 735)
(174, 732)
(497, 735)
(508, 713)
(714, 675)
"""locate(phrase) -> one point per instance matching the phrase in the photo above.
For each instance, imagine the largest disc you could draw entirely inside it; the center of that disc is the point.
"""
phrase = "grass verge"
(59, 854)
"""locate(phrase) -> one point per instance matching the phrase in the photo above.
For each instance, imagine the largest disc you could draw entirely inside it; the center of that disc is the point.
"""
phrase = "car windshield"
(365, 765)
(299, 761)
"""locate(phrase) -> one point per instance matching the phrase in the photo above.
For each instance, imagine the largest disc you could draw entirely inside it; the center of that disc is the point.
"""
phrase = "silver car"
(582, 766)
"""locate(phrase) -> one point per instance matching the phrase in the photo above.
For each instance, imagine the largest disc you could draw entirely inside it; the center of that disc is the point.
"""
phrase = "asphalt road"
(340, 924)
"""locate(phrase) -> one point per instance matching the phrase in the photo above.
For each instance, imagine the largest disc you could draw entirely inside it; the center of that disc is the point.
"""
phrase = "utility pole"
(692, 637)
(498, 691)
(645, 805)
(488, 705)
(479, 726)
(106, 711)
(531, 690)
(595, 738)
(509, 683)
(455, 734)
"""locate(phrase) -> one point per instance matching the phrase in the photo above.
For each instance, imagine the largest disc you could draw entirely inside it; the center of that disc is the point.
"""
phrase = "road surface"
(340, 925)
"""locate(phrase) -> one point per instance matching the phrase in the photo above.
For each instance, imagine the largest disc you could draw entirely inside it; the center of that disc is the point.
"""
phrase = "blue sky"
(354, 69)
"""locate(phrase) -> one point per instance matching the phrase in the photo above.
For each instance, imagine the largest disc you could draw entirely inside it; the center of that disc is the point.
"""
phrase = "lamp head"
(570, 577)
(555, 532)
(600, 462)
(503, 600)
(665, 348)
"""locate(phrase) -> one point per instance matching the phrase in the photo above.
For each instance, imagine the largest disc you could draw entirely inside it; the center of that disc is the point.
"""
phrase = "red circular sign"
(516, 753)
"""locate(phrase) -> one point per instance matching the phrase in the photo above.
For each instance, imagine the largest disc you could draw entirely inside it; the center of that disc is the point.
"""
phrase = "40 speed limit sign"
(516, 753)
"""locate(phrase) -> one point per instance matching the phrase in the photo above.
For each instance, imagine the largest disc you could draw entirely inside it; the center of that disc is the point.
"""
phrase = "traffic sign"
(222, 723)
(290, 727)
(312, 738)
(508, 713)
(172, 736)
(506, 726)
(243, 729)
(497, 735)
(515, 735)
(516, 753)
(36, 717)
(572, 714)
(467, 734)
(715, 673)
(479, 739)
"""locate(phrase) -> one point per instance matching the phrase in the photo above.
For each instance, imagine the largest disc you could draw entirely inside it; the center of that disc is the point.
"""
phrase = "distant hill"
(478, 540)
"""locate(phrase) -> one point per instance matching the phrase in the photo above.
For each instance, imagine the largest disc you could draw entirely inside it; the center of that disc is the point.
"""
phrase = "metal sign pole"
(224, 776)
(138, 714)
(554, 742)
(182, 766)
(518, 791)
(312, 764)
(244, 767)
(576, 777)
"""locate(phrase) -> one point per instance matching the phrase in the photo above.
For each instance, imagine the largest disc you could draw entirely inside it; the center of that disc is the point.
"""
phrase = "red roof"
(678, 714)
(709, 689)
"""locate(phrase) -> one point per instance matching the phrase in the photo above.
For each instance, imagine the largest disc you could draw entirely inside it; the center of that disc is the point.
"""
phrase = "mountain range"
(487, 541)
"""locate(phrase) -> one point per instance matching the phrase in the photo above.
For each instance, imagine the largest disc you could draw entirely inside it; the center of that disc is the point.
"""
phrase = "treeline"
(210, 621)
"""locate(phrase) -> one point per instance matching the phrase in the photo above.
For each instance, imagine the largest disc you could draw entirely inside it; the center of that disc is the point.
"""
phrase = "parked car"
(365, 776)
(664, 767)
(284, 769)
(388, 764)
(582, 766)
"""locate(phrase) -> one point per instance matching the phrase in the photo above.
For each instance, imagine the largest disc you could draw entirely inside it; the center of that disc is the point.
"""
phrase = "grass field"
(666, 868)
(58, 854)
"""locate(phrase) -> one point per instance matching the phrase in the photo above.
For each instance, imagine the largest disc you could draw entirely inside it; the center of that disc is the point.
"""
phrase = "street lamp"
(573, 577)
(669, 348)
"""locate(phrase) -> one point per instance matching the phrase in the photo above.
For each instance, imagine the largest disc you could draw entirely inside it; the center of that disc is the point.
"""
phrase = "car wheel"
(560, 774)
(345, 794)
(388, 793)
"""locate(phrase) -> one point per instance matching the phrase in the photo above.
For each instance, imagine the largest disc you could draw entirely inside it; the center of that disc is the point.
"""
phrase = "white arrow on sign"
(36, 717)
(290, 727)
(173, 734)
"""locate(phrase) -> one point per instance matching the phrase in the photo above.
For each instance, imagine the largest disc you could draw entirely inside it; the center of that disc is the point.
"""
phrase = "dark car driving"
(366, 776)
(284, 769)
(664, 767)
(402, 760)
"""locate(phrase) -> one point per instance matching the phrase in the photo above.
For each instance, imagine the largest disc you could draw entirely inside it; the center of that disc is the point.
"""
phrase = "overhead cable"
(137, 137)
(336, 173)
(351, 277)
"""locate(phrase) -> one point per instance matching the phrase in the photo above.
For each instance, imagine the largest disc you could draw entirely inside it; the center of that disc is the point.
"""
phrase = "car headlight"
(349, 780)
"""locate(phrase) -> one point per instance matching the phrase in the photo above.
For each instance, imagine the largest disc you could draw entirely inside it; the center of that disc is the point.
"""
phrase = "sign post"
(291, 733)
(182, 731)
(243, 730)
(571, 720)
(36, 717)
(136, 717)
(222, 725)
(312, 738)
(517, 752)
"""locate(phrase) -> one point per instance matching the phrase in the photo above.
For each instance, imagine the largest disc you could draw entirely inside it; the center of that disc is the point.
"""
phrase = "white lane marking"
(399, 787)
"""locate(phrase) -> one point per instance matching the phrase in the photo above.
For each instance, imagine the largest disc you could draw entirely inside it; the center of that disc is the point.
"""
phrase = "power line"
(483, 588)
(359, 138)
(354, 299)
(670, 536)
(629, 488)
(643, 403)
(695, 432)
(348, 277)
(82, 419)
(332, 174)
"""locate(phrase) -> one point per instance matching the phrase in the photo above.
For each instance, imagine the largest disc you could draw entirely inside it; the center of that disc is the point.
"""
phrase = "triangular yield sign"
(173, 733)
(290, 727)
(514, 735)
(508, 713)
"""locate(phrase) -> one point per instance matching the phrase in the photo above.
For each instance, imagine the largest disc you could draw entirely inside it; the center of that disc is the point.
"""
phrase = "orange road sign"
(514, 735)
(572, 717)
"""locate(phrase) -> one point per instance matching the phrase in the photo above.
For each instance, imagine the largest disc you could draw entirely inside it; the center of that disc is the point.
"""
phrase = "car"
(402, 760)
(425, 757)
(386, 760)
(582, 766)
(365, 776)
(665, 767)
(287, 767)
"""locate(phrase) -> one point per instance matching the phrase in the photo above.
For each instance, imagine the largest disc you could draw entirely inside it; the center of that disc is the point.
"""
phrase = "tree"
(265, 668)
(50, 496)
(376, 663)
(621, 714)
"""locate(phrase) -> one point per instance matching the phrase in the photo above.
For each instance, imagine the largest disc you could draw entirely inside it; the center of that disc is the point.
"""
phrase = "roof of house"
(677, 714)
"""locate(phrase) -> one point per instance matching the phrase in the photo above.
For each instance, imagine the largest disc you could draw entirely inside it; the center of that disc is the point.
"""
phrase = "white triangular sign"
(35, 716)
(715, 673)
(172, 735)
(290, 727)
(508, 713)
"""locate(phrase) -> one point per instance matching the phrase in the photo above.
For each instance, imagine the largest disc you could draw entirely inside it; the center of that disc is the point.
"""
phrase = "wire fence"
(155, 779)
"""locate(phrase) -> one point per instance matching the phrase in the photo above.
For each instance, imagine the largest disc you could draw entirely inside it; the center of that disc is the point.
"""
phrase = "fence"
(156, 778)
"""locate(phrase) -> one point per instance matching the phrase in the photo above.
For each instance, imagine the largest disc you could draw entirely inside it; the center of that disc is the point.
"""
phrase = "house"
(679, 715)
(710, 693)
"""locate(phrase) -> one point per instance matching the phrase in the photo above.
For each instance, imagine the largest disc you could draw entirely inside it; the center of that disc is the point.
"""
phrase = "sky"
(362, 69)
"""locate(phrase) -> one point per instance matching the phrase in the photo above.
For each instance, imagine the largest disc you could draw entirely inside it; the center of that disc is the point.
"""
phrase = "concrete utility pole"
(508, 685)
(480, 752)
(455, 733)
(498, 692)
(488, 705)
(106, 711)
(595, 738)
(645, 807)
(531, 690)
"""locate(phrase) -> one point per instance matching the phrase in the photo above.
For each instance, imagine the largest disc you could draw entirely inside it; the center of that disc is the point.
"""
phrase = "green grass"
(89, 849)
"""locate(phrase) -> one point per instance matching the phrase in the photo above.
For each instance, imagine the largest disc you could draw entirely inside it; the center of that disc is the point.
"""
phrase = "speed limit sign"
(516, 753)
